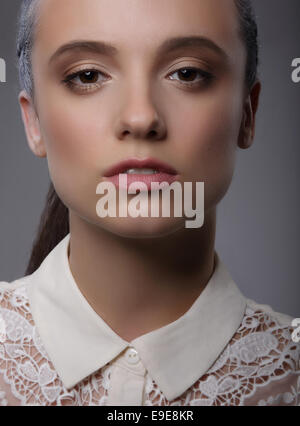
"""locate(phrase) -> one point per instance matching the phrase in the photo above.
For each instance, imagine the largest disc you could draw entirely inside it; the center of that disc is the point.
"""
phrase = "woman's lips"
(150, 180)
(137, 163)
(164, 173)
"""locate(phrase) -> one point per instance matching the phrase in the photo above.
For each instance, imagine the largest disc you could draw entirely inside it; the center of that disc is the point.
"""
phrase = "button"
(132, 356)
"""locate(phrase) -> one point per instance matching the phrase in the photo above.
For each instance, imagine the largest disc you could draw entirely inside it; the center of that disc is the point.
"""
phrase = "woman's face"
(138, 86)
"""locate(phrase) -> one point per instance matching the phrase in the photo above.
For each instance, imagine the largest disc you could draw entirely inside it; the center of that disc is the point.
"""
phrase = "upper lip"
(130, 163)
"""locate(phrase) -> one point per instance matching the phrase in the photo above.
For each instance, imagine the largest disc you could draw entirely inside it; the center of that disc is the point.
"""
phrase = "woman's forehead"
(136, 24)
(129, 20)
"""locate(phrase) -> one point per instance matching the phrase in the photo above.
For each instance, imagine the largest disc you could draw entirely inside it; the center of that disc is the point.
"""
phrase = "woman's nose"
(139, 117)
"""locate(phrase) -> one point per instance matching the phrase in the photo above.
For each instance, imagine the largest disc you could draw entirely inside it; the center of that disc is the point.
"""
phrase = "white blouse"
(225, 350)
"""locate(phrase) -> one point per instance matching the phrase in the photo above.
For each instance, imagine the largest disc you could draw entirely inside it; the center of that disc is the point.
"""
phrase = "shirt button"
(132, 356)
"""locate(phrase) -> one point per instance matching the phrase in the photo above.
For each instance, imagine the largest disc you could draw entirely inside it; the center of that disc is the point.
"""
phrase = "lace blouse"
(225, 350)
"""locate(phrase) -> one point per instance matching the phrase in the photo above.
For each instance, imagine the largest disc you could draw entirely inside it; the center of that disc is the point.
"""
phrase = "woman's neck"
(139, 285)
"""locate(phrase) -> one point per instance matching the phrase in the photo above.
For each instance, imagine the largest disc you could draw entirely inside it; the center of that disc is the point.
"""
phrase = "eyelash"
(206, 77)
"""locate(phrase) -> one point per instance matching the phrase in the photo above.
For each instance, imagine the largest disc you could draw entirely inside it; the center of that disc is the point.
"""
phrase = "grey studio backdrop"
(258, 220)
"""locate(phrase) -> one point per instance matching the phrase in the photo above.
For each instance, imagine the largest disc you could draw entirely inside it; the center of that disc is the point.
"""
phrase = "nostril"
(152, 133)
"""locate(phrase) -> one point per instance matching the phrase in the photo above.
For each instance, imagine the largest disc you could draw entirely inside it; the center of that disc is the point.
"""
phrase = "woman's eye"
(85, 80)
(88, 77)
(188, 76)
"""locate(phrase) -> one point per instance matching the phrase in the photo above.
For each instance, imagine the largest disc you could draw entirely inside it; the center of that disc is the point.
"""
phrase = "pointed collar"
(79, 342)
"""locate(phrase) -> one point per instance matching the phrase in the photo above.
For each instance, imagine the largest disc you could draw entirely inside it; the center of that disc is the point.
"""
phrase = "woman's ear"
(31, 124)
(247, 130)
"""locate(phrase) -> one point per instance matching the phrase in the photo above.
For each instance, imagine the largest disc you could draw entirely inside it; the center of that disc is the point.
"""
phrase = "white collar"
(79, 342)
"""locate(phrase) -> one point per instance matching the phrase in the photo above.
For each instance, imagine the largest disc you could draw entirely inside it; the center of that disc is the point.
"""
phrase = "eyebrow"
(177, 43)
(168, 46)
(99, 47)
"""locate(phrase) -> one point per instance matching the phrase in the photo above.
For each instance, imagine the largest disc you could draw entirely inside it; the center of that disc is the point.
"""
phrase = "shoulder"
(15, 313)
(284, 320)
(263, 319)
(21, 351)
(13, 294)
(268, 335)
(15, 325)
(19, 282)
(263, 351)
(260, 365)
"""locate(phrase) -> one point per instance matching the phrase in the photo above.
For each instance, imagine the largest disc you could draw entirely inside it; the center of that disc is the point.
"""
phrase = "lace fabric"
(259, 366)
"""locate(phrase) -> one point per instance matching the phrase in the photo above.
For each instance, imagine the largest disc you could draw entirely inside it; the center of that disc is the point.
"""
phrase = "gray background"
(258, 220)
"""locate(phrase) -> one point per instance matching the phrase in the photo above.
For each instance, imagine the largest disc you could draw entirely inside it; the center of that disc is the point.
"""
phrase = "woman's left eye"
(189, 76)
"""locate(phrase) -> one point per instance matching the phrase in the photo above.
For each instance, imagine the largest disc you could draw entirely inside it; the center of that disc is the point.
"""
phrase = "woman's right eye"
(85, 80)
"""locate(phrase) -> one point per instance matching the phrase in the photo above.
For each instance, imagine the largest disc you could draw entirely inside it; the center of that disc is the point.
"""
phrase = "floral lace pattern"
(3, 400)
(260, 353)
(283, 398)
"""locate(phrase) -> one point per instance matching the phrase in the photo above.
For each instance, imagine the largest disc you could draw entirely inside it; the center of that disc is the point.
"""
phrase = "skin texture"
(139, 273)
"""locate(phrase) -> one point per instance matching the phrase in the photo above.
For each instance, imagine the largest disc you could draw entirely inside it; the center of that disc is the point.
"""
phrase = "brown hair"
(53, 227)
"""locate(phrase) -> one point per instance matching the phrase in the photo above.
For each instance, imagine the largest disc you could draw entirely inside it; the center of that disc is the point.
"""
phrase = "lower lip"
(148, 180)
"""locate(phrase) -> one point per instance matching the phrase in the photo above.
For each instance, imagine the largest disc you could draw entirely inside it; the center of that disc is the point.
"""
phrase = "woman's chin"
(141, 227)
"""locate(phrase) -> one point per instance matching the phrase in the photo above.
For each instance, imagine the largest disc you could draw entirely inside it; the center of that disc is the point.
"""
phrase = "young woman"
(137, 310)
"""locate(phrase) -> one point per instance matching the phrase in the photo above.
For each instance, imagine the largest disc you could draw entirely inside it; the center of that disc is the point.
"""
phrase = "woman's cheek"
(71, 151)
(211, 138)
